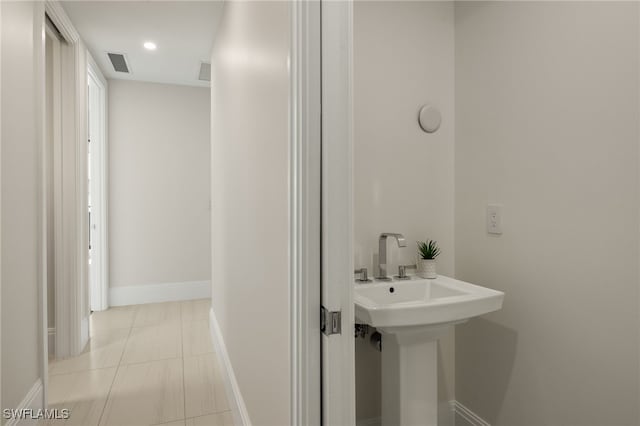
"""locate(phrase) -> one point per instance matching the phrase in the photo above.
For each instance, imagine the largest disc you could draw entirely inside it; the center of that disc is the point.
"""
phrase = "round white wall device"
(429, 118)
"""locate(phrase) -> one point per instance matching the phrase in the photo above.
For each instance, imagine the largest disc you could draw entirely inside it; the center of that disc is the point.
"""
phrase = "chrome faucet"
(382, 253)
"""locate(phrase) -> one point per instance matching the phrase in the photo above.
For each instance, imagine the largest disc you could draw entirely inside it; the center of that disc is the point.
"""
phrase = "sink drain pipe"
(376, 341)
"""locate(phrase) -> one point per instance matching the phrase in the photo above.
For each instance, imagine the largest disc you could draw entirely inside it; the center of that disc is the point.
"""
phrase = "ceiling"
(182, 30)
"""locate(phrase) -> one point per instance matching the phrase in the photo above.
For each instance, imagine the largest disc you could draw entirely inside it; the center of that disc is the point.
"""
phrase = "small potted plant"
(428, 251)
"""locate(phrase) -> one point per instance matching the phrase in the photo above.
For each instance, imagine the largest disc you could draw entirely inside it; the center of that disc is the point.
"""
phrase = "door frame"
(99, 270)
(321, 233)
(305, 212)
(48, 146)
(328, 180)
(338, 350)
(1, 404)
(70, 191)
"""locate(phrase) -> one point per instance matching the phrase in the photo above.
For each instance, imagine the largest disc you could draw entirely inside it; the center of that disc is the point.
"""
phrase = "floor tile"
(220, 419)
(157, 314)
(204, 386)
(112, 318)
(146, 394)
(144, 365)
(194, 310)
(176, 423)
(153, 343)
(196, 339)
(103, 350)
(84, 393)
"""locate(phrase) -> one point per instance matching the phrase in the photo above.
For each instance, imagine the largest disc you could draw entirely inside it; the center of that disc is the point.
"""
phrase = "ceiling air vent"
(205, 72)
(119, 62)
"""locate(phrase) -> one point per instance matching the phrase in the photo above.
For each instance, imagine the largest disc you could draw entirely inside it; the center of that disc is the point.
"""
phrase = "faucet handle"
(402, 242)
(402, 271)
(364, 275)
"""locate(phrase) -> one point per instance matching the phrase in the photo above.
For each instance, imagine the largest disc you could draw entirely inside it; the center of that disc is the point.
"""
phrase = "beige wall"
(403, 177)
(547, 112)
(20, 154)
(249, 163)
(159, 183)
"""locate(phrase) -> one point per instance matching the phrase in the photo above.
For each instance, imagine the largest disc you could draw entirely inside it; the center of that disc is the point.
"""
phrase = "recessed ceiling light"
(149, 45)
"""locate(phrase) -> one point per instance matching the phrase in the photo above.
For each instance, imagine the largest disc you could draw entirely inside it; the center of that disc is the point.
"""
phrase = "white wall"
(159, 177)
(403, 177)
(547, 110)
(21, 128)
(249, 157)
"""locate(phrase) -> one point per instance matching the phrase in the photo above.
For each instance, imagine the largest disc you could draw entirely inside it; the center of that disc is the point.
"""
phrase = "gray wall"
(403, 177)
(21, 318)
(250, 209)
(547, 110)
(159, 183)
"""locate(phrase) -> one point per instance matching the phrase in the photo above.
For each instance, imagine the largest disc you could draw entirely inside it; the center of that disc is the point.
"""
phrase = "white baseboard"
(156, 293)
(236, 402)
(459, 411)
(374, 421)
(33, 400)
(469, 417)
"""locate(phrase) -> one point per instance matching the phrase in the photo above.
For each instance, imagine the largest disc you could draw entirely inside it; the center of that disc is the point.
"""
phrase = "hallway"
(145, 365)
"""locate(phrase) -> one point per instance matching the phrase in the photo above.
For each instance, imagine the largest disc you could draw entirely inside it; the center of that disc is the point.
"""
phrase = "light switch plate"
(494, 219)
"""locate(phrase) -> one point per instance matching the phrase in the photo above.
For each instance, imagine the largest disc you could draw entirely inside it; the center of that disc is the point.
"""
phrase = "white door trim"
(70, 193)
(99, 270)
(45, 165)
(1, 404)
(305, 212)
(338, 352)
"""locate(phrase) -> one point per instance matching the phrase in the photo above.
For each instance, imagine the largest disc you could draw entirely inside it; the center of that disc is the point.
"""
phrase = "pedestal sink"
(412, 315)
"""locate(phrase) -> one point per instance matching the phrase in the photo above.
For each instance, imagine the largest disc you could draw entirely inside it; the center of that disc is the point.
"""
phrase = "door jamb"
(321, 230)
(338, 350)
(100, 191)
(46, 146)
(70, 206)
(1, 405)
(305, 212)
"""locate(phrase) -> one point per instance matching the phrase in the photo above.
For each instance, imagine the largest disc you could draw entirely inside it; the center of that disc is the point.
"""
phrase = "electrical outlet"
(494, 219)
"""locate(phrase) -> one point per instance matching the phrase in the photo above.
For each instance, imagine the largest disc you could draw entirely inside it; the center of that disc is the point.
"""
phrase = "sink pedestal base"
(410, 375)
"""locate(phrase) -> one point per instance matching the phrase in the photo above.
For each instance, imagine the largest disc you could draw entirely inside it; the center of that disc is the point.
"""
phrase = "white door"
(97, 189)
(338, 363)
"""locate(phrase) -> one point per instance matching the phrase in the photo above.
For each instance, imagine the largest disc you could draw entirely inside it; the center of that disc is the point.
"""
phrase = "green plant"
(428, 249)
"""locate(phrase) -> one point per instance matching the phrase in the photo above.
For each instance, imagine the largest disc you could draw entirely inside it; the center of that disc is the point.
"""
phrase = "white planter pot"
(427, 268)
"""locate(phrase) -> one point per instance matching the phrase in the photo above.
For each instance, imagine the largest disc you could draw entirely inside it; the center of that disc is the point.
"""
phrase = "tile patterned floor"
(145, 365)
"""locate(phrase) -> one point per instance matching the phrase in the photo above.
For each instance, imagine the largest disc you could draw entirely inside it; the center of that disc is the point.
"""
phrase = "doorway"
(97, 185)
(52, 139)
(64, 206)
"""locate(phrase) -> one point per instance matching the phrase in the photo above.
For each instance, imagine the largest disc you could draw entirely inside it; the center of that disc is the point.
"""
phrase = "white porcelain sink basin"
(412, 315)
(422, 302)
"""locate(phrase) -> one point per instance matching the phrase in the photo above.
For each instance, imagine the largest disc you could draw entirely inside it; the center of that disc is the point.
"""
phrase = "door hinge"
(330, 321)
